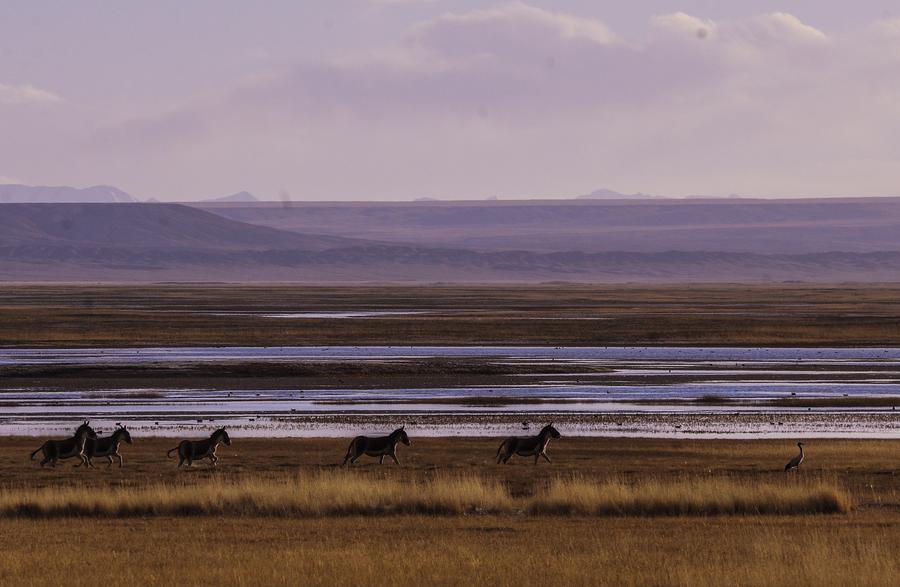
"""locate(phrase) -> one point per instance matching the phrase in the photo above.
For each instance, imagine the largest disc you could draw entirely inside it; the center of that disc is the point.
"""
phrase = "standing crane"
(795, 462)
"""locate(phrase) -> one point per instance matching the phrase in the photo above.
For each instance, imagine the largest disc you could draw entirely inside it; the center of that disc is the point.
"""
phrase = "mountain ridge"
(26, 194)
(174, 242)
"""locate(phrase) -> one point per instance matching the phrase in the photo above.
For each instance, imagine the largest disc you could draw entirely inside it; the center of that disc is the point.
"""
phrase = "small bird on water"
(795, 462)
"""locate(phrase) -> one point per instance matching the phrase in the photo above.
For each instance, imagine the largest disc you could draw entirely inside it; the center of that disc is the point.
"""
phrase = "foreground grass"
(344, 493)
(423, 550)
(522, 547)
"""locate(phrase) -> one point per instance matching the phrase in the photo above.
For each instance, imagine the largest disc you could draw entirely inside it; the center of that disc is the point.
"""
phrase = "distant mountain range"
(98, 194)
(173, 242)
(606, 194)
(133, 227)
(238, 197)
(744, 225)
(26, 194)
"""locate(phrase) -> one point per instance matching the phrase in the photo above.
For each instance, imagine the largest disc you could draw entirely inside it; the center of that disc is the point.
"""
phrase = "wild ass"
(107, 446)
(54, 450)
(194, 450)
(378, 446)
(525, 446)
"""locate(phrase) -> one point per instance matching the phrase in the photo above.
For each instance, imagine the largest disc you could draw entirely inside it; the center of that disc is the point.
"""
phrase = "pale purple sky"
(400, 99)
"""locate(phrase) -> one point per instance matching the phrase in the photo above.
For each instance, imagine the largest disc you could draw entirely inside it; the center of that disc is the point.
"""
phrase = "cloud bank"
(517, 100)
(26, 94)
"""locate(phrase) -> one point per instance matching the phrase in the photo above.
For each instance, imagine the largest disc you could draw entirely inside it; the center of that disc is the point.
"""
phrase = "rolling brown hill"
(172, 242)
(652, 225)
(154, 226)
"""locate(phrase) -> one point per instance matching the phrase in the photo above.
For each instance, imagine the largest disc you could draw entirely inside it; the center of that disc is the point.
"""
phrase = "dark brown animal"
(379, 446)
(194, 450)
(54, 450)
(526, 446)
(107, 446)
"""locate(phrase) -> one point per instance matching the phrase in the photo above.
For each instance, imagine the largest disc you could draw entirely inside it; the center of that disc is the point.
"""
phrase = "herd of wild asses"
(85, 445)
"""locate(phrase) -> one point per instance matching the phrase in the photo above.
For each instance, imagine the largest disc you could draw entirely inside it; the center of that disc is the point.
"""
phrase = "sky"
(406, 99)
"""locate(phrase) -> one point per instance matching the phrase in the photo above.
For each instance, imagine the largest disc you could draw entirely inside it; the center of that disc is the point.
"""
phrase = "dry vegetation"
(571, 314)
(606, 512)
(344, 493)
(688, 497)
(479, 550)
(322, 494)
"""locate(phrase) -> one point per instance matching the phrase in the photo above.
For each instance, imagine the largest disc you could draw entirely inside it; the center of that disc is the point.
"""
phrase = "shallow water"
(603, 404)
(852, 356)
(346, 315)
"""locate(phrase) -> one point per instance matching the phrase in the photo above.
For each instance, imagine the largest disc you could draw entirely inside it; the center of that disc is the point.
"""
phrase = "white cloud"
(682, 26)
(26, 94)
(783, 27)
(4, 180)
(514, 29)
(517, 58)
(521, 100)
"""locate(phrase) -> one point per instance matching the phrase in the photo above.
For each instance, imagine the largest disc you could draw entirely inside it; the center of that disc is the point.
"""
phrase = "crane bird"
(795, 462)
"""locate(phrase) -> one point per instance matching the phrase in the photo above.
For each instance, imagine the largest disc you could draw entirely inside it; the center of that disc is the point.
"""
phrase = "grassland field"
(607, 511)
(554, 314)
(515, 544)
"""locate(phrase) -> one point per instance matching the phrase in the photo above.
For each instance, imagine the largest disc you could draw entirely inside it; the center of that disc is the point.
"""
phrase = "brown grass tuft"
(690, 497)
(346, 493)
(332, 494)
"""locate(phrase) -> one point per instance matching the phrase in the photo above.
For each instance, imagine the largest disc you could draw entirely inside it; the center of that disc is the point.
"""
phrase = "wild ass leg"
(543, 454)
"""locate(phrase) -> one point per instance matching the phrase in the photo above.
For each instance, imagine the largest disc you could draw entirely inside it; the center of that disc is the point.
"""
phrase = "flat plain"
(82, 526)
(854, 547)
(551, 314)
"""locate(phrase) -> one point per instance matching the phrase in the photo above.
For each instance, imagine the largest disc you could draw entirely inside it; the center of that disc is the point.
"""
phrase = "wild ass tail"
(40, 448)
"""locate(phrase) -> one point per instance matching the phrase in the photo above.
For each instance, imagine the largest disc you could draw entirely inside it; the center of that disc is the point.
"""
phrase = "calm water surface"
(613, 403)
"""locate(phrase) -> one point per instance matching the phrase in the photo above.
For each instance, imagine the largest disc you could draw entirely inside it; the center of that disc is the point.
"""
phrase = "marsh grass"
(348, 494)
(322, 494)
(688, 497)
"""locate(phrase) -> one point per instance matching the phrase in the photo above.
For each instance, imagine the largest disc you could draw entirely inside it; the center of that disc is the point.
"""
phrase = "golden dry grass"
(323, 494)
(688, 497)
(479, 550)
(340, 493)
(521, 547)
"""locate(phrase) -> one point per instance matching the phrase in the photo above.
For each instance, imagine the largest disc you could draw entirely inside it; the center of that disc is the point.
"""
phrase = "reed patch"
(689, 497)
(342, 493)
